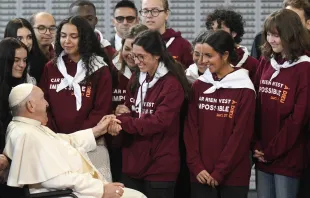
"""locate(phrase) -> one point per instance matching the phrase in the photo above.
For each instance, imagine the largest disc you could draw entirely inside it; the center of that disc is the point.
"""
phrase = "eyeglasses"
(154, 12)
(42, 29)
(139, 57)
(129, 19)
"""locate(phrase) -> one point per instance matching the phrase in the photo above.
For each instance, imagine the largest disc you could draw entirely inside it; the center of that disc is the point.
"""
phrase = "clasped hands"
(114, 127)
(260, 156)
(205, 178)
(109, 124)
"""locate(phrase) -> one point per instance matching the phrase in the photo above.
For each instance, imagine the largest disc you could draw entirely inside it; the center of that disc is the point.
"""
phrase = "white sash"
(160, 72)
(286, 64)
(244, 57)
(170, 41)
(69, 81)
(234, 80)
(192, 73)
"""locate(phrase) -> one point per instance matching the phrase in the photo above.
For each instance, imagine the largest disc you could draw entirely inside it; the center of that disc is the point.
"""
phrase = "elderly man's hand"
(114, 128)
(103, 125)
(113, 190)
(4, 163)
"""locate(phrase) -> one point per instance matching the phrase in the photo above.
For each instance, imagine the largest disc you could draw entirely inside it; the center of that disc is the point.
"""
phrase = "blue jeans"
(276, 186)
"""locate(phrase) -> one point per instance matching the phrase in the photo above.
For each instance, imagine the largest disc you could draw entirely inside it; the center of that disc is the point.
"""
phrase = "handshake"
(109, 123)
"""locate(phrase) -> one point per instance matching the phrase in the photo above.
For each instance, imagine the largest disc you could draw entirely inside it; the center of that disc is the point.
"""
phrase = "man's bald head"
(41, 14)
(44, 26)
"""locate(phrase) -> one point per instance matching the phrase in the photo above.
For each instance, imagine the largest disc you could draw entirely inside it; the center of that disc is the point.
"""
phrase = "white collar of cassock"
(69, 81)
(27, 120)
(160, 72)
(234, 80)
(31, 162)
(192, 73)
(277, 67)
(116, 61)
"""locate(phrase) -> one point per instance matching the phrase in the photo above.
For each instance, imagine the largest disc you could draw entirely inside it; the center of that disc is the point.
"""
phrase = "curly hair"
(88, 44)
(294, 37)
(230, 19)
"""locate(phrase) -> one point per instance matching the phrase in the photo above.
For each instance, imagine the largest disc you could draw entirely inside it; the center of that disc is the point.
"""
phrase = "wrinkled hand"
(260, 156)
(113, 190)
(203, 177)
(4, 163)
(103, 124)
(120, 109)
(114, 128)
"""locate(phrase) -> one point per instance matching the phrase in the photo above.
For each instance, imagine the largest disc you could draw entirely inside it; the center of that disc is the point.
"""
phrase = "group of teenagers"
(192, 119)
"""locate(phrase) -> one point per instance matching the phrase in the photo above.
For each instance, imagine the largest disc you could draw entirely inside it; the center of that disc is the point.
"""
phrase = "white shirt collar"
(118, 42)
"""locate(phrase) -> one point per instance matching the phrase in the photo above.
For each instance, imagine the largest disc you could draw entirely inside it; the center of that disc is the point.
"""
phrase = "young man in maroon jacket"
(233, 23)
(87, 10)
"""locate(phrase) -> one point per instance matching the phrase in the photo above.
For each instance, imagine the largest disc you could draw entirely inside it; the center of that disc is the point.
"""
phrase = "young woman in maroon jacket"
(220, 123)
(124, 68)
(154, 15)
(77, 85)
(151, 158)
(198, 67)
(283, 109)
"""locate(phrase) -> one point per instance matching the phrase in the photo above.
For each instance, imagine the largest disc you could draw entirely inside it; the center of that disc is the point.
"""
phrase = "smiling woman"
(282, 81)
(151, 130)
(13, 71)
(216, 136)
(77, 84)
(21, 29)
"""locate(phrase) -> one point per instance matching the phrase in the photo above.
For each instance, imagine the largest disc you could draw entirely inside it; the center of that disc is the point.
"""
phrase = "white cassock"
(44, 160)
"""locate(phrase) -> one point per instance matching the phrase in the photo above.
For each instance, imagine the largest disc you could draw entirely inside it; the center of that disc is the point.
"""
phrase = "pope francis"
(44, 160)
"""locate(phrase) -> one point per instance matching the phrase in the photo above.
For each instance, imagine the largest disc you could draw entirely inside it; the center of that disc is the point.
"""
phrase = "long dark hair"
(36, 58)
(89, 44)
(8, 47)
(221, 41)
(152, 42)
(294, 37)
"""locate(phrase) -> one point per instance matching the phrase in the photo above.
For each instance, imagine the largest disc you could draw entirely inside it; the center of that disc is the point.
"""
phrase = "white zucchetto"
(19, 93)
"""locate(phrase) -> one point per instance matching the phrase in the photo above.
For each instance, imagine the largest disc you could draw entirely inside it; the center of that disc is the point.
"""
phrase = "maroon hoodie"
(119, 89)
(282, 116)
(180, 48)
(151, 150)
(250, 64)
(218, 132)
(96, 98)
